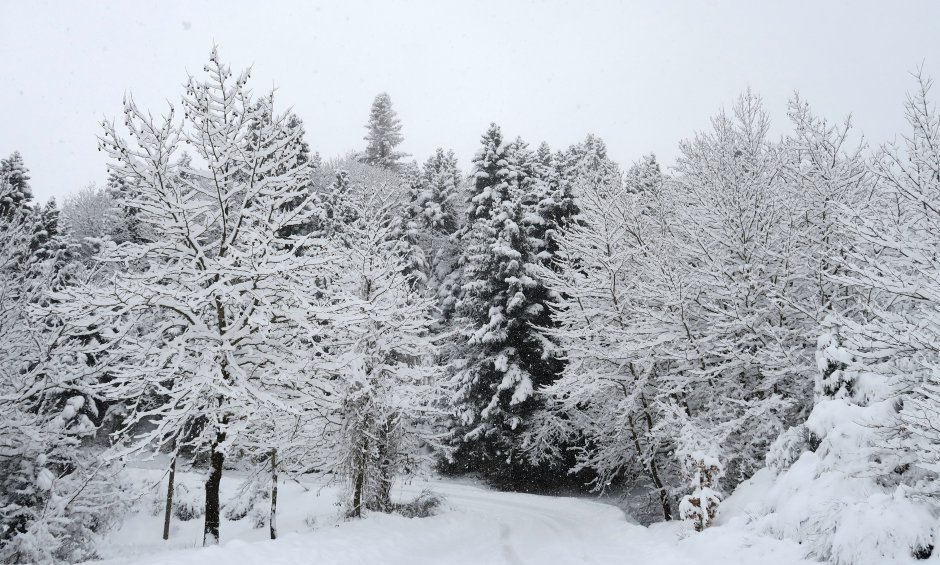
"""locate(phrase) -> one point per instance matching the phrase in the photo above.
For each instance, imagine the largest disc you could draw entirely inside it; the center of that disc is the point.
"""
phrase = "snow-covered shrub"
(311, 521)
(836, 483)
(426, 504)
(253, 500)
(788, 447)
(701, 506)
(188, 502)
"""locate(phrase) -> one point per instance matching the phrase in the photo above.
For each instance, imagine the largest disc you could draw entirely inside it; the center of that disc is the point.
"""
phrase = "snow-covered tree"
(504, 357)
(429, 220)
(442, 184)
(551, 204)
(825, 177)
(386, 401)
(862, 472)
(218, 318)
(644, 175)
(121, 190)
(609, 319)
(687, 310)
(54, 495)
(91, 216)
(743, 369)
(384, 135)
(587, 162)
(391, 391)
(14, 172)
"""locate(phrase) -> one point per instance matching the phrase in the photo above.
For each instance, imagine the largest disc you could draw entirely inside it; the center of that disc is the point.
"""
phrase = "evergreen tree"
(18, 192)
(442, 181)
(384, 135)
(644, 175)
(292, 135)
(122, 191)
(49, 250)
(587, 163)
(553, 205)
(429, 218)
(504, 356)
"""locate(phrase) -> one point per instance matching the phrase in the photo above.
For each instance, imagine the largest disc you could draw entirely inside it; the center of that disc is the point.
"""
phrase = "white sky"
(642, 75)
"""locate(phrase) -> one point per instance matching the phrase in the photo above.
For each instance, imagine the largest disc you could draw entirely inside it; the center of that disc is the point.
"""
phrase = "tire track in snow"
(508, 551)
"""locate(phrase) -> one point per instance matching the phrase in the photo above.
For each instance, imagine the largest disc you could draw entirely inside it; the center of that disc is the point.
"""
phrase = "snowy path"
(479, 527)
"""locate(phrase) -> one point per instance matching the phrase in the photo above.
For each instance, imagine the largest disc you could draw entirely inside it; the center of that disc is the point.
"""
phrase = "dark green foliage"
(505, 358)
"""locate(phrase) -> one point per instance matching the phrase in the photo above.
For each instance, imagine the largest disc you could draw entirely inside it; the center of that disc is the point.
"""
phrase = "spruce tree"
(644, 175)
(18, 192)
(411, 231)
(122, 190)
(587, 163)
(384, 135)
(442, 184)
(504, 356)
(553, 205)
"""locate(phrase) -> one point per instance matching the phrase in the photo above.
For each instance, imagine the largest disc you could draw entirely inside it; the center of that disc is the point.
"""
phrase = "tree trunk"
(663, 497)
(381, 501)
(273, 520)
(360, 483)
(653, 472)
(383, 498)
(357, 494)
(169, 500)
(211, 531)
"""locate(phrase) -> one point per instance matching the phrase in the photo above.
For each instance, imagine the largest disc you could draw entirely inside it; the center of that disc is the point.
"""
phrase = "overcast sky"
(642, 75)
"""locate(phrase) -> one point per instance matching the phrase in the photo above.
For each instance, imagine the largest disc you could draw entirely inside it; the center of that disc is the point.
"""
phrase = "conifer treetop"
(384, 134)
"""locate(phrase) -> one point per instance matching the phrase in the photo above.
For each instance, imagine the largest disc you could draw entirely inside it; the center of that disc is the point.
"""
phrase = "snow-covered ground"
(476, 526)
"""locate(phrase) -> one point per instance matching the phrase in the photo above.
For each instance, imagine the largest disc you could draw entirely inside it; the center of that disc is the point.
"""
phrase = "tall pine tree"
(504, 356)
(384, 135)
(16, 177)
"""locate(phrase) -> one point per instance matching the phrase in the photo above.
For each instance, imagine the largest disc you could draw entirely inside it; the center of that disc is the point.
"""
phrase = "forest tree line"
(230, 300)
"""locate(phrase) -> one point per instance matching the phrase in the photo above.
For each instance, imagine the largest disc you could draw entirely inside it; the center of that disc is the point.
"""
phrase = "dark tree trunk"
(383, 495)
(653, 472)
(169, 500)
(663, 496)
(357, 494)
(360, 483)
(211, 531)
(273, 520)
(383, 498)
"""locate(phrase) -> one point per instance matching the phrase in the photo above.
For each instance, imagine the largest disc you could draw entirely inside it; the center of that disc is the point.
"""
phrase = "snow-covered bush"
(188, 502)
(701, 506)
(426, 504)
